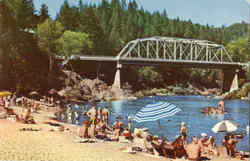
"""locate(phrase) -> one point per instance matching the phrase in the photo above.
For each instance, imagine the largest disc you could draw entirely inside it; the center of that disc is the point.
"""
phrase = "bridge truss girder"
(175, 49)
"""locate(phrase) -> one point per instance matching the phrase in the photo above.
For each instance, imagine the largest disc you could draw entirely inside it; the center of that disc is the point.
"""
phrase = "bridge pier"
(117, 80)
(230, 80)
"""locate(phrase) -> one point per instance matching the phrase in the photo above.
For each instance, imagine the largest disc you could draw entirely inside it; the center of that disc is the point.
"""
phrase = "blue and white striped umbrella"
(156, 111)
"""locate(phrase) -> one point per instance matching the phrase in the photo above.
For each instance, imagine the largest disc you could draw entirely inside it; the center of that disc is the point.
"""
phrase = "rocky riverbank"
(86, 89)
(241, 93)
(179, 90)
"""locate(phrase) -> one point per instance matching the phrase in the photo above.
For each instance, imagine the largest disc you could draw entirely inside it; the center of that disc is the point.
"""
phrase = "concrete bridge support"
(230, 80)
(235, 83)
(117, 81)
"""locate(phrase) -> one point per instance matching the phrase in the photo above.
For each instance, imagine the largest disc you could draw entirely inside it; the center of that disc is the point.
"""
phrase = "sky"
(211, 12)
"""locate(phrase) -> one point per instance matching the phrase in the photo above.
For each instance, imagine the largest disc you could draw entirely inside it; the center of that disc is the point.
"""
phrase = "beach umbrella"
(225, 126)
(5, 93)
(156, 111)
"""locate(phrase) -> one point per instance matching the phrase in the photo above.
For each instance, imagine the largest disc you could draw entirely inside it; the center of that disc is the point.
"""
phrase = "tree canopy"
(73, 43)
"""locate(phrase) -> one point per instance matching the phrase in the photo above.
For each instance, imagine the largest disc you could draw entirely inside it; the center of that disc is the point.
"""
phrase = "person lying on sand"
(101, 129)
(156, 144)
(26, 117)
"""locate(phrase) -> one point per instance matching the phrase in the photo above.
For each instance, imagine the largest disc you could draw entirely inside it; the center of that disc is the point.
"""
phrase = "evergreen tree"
(69, 17)
(90, 24)
(44, 13)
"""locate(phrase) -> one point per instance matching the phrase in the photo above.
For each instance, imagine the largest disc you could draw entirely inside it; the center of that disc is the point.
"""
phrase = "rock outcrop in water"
(85, 89)
(243, 92)
(180, 89)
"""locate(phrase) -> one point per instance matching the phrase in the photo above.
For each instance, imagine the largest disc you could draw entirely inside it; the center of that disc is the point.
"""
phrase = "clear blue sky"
(212, 12)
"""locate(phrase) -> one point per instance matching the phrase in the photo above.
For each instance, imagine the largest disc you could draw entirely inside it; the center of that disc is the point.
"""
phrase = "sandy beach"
(50, 145)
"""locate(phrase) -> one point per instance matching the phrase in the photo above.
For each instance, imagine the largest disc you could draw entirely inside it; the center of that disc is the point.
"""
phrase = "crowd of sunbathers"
(95, 125)
(198, 149)
(27, 107)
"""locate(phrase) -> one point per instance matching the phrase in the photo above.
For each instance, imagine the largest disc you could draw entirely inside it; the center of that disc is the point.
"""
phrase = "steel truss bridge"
(169, 50)
(172, 52)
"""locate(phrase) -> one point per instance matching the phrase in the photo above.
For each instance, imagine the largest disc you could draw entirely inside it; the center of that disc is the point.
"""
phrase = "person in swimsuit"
(84, 128)
(212, 147)
(183, 131)
(221, 107)
(92, 113)
(193, 150)
(105, 115)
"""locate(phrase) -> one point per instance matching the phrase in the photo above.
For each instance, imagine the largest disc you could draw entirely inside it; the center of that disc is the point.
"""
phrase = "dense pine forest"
(29, 38)
(111, 25)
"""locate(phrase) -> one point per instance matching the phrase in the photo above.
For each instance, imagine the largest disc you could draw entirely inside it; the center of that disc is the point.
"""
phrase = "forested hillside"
(238, 30)
(112, 25)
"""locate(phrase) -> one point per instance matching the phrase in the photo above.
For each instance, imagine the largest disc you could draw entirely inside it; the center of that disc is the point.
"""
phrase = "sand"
(49, 145)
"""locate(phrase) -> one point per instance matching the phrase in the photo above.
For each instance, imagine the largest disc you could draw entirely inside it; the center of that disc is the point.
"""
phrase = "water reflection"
(118, 106)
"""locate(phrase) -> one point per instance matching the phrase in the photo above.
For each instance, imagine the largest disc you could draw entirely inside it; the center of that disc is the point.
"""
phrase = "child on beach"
(183, 131)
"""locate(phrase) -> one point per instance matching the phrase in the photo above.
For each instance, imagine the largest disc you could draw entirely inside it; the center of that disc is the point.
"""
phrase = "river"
(238, 112)
(197, 123)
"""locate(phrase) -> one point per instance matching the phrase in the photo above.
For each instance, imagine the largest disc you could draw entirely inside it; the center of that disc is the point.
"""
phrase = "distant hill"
(238, 30)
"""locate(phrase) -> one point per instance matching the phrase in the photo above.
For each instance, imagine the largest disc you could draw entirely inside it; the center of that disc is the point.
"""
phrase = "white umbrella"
(225, 126)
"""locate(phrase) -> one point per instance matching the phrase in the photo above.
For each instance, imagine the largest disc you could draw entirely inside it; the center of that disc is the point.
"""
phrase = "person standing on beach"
(183, 131)
(84, 128)
(203, 142)
(92, 114)
(105, 115)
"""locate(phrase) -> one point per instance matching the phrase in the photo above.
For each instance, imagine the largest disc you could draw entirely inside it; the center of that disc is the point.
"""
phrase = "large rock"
(92, 89)
(179, 90)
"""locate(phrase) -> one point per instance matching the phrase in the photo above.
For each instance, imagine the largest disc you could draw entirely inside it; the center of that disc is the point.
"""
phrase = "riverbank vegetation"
(31, 39)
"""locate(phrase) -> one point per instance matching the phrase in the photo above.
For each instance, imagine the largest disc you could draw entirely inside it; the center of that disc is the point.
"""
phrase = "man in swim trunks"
(221, 106)
(193, 150)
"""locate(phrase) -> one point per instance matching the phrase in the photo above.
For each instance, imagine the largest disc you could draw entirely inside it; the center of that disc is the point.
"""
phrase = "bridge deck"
(154, 61)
